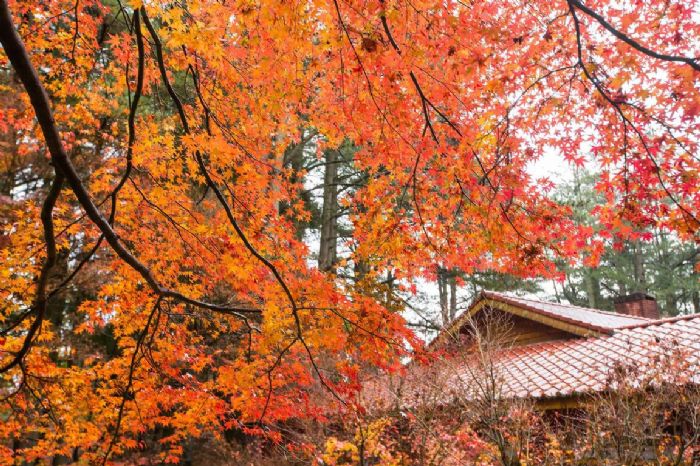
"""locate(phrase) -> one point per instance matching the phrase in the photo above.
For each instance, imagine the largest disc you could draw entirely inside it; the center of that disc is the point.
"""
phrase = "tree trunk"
(640, 281)
(447, 288)
(695, 294)
(593, 289)
(453, 296)
(442, 292)
(327, 253)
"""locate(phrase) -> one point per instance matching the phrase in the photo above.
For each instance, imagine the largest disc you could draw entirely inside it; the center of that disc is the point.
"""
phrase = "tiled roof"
(584, 316)
(574, 319)
(584, 365)
(563, 368)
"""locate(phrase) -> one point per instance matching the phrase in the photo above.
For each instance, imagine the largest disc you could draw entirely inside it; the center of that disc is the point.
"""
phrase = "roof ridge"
(572, 306)
(654, 322)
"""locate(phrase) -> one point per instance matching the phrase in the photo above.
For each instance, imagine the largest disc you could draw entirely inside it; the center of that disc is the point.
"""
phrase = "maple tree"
(155, 286)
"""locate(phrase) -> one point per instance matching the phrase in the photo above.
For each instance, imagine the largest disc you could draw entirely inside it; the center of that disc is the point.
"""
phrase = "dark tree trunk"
(593, 290)
(327, 253)
(447, 287)
(640, 281)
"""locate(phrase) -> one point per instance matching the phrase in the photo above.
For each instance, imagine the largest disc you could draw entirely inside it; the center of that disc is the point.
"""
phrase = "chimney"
(637, 304)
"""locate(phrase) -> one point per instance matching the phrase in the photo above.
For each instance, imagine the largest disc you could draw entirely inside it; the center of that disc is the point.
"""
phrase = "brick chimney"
(637, 304)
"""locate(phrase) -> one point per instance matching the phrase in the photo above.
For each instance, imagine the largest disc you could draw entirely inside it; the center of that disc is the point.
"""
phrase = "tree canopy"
(158, 165)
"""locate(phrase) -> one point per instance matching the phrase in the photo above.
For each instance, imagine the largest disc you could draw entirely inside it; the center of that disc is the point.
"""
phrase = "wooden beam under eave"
(562, 402)
(543, 319)
(454, 329)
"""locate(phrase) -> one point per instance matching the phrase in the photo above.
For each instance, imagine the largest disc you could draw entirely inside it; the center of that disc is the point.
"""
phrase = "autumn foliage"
(154, 282)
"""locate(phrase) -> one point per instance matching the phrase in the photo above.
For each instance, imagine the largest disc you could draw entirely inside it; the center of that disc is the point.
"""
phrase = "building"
(556, 355)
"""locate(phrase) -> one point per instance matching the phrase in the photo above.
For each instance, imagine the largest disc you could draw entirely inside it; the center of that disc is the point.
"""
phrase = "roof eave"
(513, 307)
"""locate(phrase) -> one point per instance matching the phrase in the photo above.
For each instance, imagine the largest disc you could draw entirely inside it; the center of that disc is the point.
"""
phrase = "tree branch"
(693, 62)
(65, 170)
